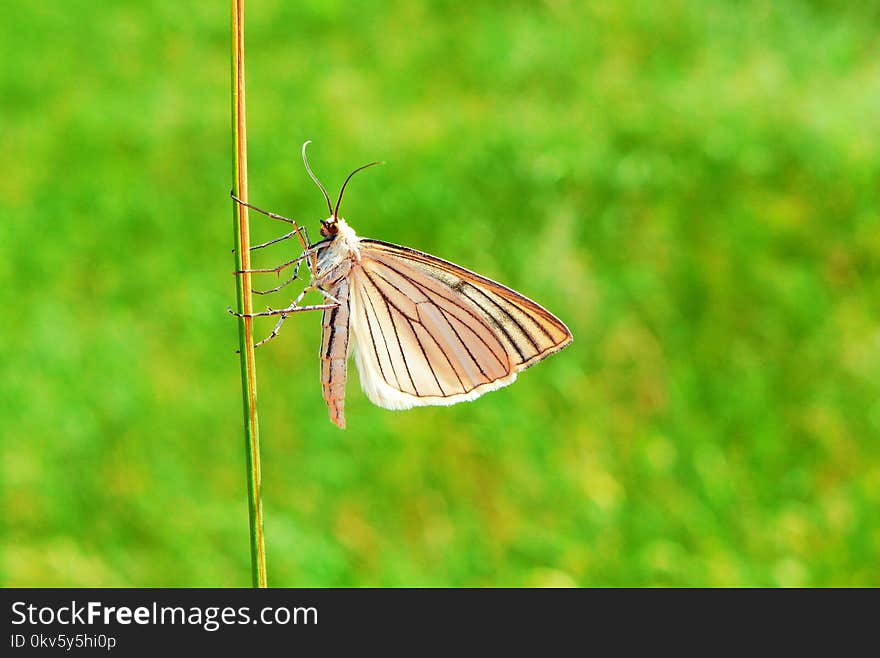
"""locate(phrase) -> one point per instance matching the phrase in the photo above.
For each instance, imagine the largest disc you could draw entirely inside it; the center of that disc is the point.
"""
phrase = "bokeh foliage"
(692, 186)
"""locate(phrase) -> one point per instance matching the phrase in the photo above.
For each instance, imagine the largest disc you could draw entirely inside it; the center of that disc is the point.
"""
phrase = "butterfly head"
(329, 226)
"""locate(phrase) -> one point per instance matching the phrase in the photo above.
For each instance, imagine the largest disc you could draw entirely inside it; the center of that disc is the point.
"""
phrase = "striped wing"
(428, 332)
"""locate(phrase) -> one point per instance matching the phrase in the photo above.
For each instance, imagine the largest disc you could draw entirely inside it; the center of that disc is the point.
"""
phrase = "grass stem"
(245, 304)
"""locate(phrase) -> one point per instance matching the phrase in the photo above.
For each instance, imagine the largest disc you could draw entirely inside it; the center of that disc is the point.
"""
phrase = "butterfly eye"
(328, 228)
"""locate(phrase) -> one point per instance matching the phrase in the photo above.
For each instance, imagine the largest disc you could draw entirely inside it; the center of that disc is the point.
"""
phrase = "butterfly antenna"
(315, 178)
(339, 200)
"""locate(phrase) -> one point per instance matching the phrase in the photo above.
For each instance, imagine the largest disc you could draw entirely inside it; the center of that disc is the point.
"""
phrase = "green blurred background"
(691, 186)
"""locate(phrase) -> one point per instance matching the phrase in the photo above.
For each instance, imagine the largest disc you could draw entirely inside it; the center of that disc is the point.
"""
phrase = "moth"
(423, 330)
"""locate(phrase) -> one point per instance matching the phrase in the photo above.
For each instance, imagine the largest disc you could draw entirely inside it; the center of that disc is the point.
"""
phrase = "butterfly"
(424, 331)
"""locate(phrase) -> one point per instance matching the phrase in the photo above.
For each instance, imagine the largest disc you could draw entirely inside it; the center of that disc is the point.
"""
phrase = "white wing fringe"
(387, 397)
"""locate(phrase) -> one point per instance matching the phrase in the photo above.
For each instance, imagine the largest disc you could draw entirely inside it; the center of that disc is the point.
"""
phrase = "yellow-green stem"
(243, 295)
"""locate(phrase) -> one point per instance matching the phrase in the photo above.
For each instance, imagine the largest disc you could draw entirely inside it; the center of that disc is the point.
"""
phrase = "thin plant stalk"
(244, 299)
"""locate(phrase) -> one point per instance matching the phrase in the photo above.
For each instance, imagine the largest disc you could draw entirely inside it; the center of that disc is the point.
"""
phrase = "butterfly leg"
(298, 230)
(293, 308)
(314, 286)
(272, 215)
(284, 283)
(283, 313)
(279, 268)
(274, 332)
(284, 237)
(294, 305)
(281, 285)
(326, 295)
(297, 261)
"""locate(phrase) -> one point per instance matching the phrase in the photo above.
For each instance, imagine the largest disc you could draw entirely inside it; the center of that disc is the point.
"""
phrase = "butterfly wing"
(428, 332)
